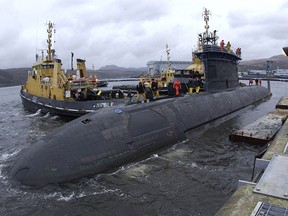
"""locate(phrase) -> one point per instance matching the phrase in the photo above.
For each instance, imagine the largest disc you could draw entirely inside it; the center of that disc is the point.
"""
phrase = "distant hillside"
(113, 71)
(13, 76)
(18, 76)
(116, 68)
(280, 61)
(113, 74)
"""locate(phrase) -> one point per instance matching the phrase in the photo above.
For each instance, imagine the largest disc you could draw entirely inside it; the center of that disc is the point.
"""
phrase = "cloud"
(131, 33)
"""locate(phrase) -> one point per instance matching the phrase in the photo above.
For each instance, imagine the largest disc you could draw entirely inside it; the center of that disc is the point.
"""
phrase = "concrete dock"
(262, 130)
(267, 193)
(283, 103)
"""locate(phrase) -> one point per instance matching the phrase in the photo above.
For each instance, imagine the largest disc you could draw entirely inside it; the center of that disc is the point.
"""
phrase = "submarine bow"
(112, 137)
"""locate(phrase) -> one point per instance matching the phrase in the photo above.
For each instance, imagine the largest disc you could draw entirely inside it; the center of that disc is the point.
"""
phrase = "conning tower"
(221, 71)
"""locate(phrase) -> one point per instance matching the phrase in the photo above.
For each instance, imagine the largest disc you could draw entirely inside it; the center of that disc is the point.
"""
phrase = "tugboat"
(102, 141)
(162, 79)
(167, 77)
(50, 89)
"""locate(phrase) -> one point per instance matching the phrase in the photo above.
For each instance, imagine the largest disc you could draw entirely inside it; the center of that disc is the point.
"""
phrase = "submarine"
(109, 138)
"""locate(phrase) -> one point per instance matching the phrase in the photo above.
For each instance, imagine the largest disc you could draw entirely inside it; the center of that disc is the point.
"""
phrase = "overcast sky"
(129, 33)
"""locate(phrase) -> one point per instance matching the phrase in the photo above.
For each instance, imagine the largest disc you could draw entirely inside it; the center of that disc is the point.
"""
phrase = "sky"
(129, 33)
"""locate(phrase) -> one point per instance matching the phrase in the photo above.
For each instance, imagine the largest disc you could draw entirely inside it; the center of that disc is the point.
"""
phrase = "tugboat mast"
(49, 31)
(168, 57)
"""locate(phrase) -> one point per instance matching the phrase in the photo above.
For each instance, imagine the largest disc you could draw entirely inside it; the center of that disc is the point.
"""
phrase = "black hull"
(99, 141)
(65, 108)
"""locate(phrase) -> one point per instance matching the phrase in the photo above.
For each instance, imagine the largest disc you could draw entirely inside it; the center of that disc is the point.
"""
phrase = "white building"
(156, 67)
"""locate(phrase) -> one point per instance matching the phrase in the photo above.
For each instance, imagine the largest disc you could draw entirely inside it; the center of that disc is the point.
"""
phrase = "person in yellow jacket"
(191, 85)
(228, 46)
(198, 83)
(155, 89)
(140, 92)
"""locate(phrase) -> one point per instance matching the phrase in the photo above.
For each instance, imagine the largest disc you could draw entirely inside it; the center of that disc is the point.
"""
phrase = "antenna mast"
(206, 14)
(168, 57)
(72, 55)
(207, 37)
(49, 31)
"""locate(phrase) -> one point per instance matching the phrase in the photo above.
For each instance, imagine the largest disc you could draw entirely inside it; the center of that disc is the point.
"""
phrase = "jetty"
(262, 130)
(267, 192)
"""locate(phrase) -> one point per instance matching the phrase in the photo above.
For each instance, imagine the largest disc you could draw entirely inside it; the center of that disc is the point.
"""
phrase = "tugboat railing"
(79, 85)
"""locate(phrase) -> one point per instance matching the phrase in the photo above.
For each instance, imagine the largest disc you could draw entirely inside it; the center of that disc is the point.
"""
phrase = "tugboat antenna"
(49, 31)
(168, 57)
(72, 55)
(36, 55)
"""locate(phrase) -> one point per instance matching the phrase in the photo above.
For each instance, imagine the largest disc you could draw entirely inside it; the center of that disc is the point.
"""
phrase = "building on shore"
(156, 67)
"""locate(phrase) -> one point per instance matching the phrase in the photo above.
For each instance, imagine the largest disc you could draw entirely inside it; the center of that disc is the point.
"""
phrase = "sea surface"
(192, 178)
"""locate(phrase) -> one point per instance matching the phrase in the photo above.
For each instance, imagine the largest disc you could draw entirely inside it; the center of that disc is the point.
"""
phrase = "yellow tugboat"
(50, 89)
(167, 77)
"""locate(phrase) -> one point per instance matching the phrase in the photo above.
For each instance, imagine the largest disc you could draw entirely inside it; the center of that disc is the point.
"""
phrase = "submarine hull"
(111, 137)
(65, 108)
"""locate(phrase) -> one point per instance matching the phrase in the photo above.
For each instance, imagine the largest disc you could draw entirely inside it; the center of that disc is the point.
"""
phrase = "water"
(192, 178)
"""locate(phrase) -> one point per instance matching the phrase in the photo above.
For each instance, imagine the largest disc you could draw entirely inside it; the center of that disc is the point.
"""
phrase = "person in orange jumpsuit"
(177, 86)
(222, 44)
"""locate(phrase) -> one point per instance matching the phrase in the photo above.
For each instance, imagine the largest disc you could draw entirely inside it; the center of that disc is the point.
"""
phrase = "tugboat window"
(146, 121)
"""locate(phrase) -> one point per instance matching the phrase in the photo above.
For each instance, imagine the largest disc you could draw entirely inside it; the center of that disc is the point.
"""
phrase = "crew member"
(177, 86)
(155, 90)
(256, 81)
(228, 46)
(198, 83)
(222, 44)
(191, 85)
(148, 91)
(140, 92)
(238, 52)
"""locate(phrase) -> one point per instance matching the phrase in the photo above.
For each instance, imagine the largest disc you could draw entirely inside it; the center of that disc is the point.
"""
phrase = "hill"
(13, 76)
(116, 68)
(280, 61)
(113, 71)
(112, 74)
(18, 76)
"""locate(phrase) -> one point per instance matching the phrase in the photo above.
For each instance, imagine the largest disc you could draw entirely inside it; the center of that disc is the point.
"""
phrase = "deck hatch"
(146, 121)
